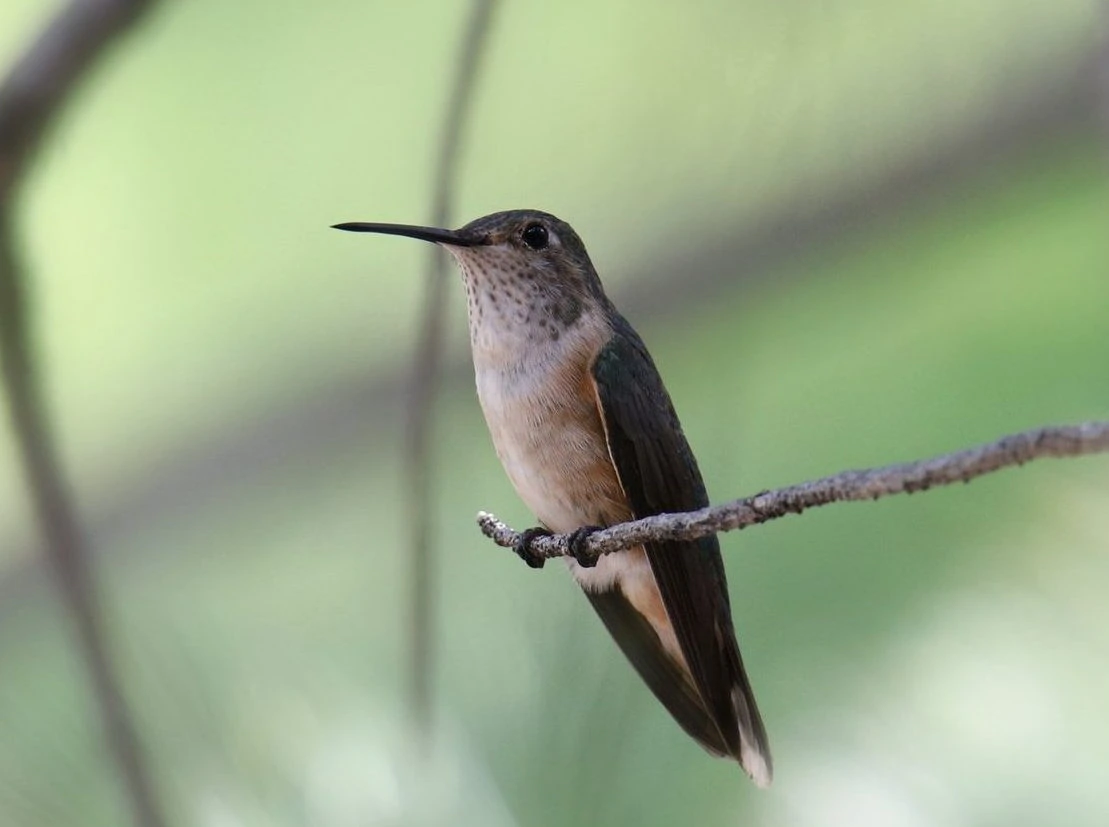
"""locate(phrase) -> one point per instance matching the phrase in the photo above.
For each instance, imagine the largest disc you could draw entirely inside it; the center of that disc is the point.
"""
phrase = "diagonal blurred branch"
(426, 367)
(31, 97)
(39, 83)
(848, 486)
(1103, 66)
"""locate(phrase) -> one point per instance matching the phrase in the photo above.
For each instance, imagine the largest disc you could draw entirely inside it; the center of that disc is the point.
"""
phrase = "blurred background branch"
(31, 97)
(1103, 66)
(421, 494)
(36, 87)
(847, 486)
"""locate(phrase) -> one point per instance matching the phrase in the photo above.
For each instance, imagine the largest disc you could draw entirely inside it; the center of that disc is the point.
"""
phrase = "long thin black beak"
(450, 237)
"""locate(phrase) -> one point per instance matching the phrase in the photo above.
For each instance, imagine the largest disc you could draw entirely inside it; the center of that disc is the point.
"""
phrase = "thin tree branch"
(870, 484)
(31, 97)
(425, 372)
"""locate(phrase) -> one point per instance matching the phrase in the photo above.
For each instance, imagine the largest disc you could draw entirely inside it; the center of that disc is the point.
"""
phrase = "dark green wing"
(640, 644)
(659, 474)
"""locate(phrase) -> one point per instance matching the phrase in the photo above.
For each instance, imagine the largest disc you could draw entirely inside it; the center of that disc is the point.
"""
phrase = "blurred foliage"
(928, 660)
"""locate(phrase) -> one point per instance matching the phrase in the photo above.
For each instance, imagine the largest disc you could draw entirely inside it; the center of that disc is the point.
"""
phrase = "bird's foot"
(577, 546)
(523, 546)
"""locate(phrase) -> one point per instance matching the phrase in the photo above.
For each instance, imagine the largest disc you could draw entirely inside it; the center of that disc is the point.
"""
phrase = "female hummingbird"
(587, 434)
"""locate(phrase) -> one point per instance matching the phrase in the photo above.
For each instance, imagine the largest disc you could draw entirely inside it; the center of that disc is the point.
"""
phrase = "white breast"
(540, 404)
(548, 436)
(541, 409)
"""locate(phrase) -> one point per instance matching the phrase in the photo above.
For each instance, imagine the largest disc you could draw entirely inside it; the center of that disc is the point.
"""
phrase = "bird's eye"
(535, 236)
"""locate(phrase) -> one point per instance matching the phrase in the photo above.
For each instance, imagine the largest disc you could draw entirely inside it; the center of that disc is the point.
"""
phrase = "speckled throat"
(514, 306)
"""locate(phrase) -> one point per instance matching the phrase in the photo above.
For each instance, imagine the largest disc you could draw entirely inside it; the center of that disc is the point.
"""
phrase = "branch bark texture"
(869, 484)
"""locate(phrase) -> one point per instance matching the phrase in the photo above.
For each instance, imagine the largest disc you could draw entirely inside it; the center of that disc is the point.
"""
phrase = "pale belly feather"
(548, 436)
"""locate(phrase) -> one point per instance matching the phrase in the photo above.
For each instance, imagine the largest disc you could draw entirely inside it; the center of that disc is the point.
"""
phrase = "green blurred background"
(851, 233)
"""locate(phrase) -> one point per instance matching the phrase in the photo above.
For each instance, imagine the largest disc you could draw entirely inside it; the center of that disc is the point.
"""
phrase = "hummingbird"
(587, 434)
